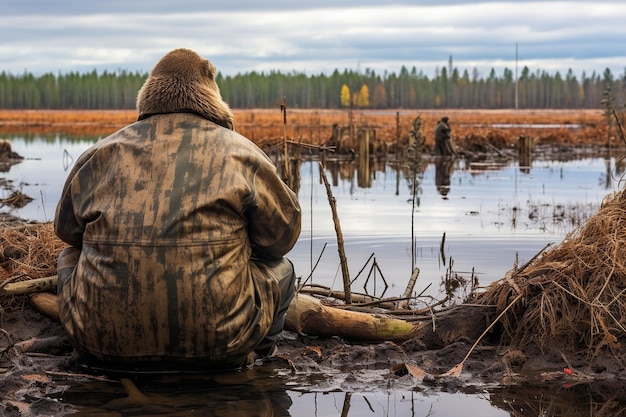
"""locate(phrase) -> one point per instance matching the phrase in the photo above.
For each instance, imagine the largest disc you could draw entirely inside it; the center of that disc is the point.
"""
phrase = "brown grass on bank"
(72, 122)
(574, 295)
(265, 126)
(29, 251)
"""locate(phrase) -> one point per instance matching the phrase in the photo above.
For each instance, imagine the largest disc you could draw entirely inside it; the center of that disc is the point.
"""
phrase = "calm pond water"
(491, 215)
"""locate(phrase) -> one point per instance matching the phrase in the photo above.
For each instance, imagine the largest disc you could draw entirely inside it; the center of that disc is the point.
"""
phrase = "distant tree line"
(93, 90)
(449, 88)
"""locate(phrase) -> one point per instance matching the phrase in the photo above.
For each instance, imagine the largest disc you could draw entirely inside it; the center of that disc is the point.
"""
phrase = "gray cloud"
(244, 36)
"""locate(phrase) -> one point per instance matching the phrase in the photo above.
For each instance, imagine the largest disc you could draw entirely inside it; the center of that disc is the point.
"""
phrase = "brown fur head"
(184, 81)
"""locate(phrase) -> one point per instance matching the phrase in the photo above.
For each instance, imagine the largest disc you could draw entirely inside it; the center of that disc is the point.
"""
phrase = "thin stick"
(340, 248)
(283, 109)
(311, 146)
(409, 288)
(456, 371)
(498, 151)
(619, 125)
(315, 266)
(442, 248)
(362, 269)
(80, 376)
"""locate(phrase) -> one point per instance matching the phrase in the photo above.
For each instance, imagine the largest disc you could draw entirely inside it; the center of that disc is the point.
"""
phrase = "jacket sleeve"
(68, 226)
(274, 219)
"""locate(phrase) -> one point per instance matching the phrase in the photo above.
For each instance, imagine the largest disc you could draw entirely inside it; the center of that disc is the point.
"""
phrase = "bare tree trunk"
(308, 315)
(30, 286)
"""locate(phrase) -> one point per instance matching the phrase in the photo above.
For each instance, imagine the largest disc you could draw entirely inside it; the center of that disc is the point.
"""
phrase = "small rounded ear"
(210, 69)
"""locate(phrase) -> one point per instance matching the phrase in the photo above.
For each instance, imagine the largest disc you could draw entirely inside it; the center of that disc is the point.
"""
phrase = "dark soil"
(33, 379)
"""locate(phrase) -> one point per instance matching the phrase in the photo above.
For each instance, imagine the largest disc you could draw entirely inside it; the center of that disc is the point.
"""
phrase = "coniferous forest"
(409, 89)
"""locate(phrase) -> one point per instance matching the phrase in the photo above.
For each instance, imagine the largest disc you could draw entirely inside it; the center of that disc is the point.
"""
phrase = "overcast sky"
(315, 37)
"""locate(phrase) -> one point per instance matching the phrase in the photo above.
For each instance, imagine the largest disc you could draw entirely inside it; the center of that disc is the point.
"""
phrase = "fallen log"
(41, 345)
(30, 286)
(307, 315)
(46, 304)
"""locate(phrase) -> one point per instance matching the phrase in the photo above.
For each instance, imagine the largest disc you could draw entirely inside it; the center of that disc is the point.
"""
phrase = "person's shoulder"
(131, 130)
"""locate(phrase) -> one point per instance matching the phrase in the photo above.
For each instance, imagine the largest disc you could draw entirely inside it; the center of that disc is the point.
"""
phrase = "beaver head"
(184, 81)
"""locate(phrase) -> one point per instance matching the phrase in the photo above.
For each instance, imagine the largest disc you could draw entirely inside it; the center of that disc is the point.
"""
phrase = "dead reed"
(29, 251)
(470, 128)
(574, 294)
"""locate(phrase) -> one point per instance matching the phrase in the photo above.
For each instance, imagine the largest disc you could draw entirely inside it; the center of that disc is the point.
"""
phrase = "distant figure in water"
(443, 140)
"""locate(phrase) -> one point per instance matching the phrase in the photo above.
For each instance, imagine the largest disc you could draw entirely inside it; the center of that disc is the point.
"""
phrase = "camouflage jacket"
(168, 212)
(442, 131)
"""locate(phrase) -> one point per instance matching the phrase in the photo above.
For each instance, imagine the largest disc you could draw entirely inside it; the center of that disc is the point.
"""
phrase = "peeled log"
(46, 303)
(30, 286)
(307, 315)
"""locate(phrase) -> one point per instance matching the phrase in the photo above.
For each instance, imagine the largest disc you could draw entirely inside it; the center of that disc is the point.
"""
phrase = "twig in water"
(315, 266)
(619, 125)
(409, 288)
(283, 109)
(442, 251)
(340, 248)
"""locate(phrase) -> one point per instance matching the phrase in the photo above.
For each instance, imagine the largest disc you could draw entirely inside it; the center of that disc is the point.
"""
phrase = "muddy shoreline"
(35, 377)
(33, 381)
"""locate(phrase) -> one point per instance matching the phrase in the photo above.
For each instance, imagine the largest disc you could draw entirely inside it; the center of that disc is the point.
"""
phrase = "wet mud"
(48, 379)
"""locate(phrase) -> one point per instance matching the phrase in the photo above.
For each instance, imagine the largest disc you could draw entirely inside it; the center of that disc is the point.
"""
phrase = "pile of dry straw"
(574, 294)
(28, 251)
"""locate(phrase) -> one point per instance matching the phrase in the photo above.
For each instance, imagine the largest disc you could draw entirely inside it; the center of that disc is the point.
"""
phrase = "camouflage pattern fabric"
(443, 139)
(167, 214)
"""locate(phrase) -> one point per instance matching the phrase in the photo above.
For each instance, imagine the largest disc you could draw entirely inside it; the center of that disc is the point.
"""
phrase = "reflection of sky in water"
(258, 392)
(477, 215)
(394, 403)
(477, 218)
(41, 175)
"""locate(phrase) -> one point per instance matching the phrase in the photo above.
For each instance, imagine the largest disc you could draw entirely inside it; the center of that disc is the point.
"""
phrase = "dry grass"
(574, 294)
(470, 128)
(30, 250)
(73, 122)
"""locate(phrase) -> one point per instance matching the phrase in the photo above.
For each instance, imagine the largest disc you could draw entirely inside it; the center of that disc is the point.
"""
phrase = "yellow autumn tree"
(364, 99)
(345, 96)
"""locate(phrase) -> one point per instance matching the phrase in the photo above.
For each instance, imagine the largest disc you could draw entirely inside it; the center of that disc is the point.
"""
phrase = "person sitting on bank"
(178, 229)
(443, 138)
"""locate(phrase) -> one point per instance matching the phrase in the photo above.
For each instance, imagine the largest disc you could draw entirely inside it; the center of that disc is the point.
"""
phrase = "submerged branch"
(342, 254)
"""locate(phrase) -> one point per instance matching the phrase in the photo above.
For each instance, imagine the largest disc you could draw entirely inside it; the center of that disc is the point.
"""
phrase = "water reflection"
(491, 214)
(491, 211)
(561, 399)
(444, 168)
(251, 392)
(525, 153)
(260, 392)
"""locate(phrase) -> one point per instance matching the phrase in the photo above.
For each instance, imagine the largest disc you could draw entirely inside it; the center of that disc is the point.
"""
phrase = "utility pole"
(516, 79)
